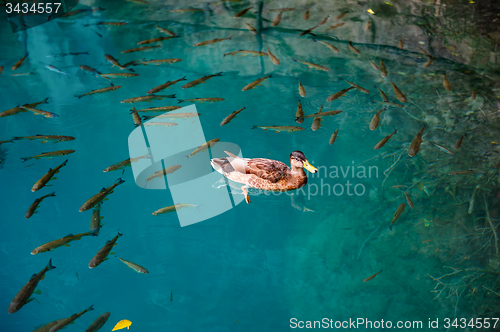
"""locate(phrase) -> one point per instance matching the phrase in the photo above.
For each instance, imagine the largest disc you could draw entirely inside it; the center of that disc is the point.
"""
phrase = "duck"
(265, 174)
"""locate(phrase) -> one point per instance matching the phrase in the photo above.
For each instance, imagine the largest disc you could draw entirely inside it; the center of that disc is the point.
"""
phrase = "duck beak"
(310, 167)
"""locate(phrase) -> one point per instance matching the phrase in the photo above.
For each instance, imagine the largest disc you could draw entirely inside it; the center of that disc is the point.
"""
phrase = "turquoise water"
(258, 265)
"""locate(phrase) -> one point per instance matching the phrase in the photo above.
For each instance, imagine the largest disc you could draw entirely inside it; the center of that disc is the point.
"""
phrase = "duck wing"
(267, 169)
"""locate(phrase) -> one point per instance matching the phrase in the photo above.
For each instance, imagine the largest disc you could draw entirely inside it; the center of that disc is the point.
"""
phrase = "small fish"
(204, 147)
(231, 116)
(166, 85)
(7, 141)
(158, 62)
(415, 144)
(255, 83)
(277, 19)
(330, 46)
(35, 204)
(125, 163)
(199, 81)
(299, 115)
(459, 142)
(186, 10)
(341, 15)
(322, 114)
(142, 48)
(1, 70)
(408, 200)
(374, 65)
(339, 94)
(171, 296)
(442, 148)
(113, 75)
(147, 98)
(375, 120)
(89, 69)
(302, 91)
(401, 97)
(114, 62)
(59, 242)
(95, 220)
(46, 138)
(98, 323)
(323, 21)
(41, 112)
(383, 95)
(446, 84)
(384, 140)
(19, 109)
(122, 324)
(133, 266)
(383, 70)
(353, 49)
(461, 172)
(371, 277)
(273, 58)
(251, 28)
(149, 41)
(65, 322)
(166, 31)
(100, 196)
(158, 109)
(305, 32)
(201, 100)
(245, 52)
(47, 327)
(24, 295)
(335, 26)
(212, 41)
(103, 253)
(163, 124)
(429, 62)
(358, 87)
(424, 51)
(171, 208)
(109, 88)
(19, 63)
(54, 69)
(107, 24)
(312, 65)
(316, 124)
(163, 172)
(22, 74)
(367, 25)
(280, 128)
(306, 15)
(400, 44)
(47, 177)
(397, 214)
(333, 138)
(66, 54)
(173, 116)
(49, 154)
(281, 10)
(242, 12)
(473, 96)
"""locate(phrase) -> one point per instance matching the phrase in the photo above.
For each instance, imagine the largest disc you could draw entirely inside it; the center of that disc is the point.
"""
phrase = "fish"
(59, 242)
(24, 295)
(122, 324)
(339, 94)
(408, 200)
(34, 205)
(1, 70)
(371, 277)
(142, 2)
(330, 46)
(305, 32)
(107, 24)
(147, 98)
(322, 114)
(323, 21)
(134, 63)
(171, 296)
(245, 52)
(424, 51)
(171, 208)
(49, 154)
(358, 87)
(299, 115)
(41, 112)
(114, 62)
(100, 196)
(168, 32)
(374, 65)
(397, 214)
(341, 15)
(103, 253)
(383, 95)
(256, 83)
(442, 148)
(142, 48)
(461, 172)
(19, 63)
(65, 322)
(158, 62)
(47, 327)
(95, 220)
(98, 323)
(47, 177)
(429, 62)
(316, 124)
(22, 74)
(280, 128)
(277, 19)
(312, 65)
(446, 84)
(60, 55)
(242, 12)
(90, 69)
(212, 41)
(415, 144)
(458, 144)
(204, 147)
(383, 70)
(113, 75)
(400, 44)
(109, 88)
(281, 10)
(163, 172)
(302, 91)
(174, 115)
(306, 15)
(133, 266)
(149, 41)
(125, 163)
(19, 109)
(201, 100)
(136, 117)
(162, 108)
(333, 138)
(375, 120)
(230, 117)
(273, 58)
(251, 28)
(353, 49)
(384, 140)
(401, 97)
(54, 69)
(7, 141)
(335, 26)
(200, 80)
(186, 10)
(367, 25)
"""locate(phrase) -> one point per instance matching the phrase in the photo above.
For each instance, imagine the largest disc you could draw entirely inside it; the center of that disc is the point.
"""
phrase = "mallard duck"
(265, 174)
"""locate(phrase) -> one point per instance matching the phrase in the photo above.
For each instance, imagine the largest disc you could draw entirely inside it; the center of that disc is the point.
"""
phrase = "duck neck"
(298, 171)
